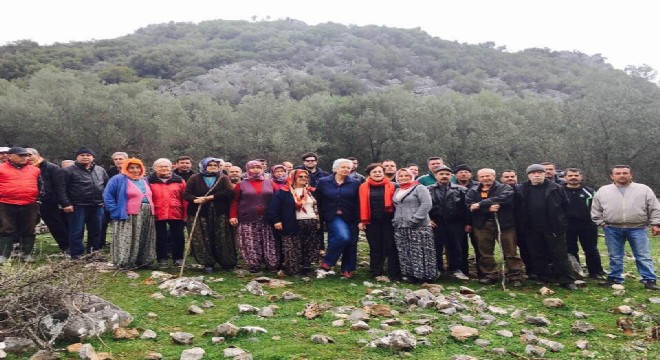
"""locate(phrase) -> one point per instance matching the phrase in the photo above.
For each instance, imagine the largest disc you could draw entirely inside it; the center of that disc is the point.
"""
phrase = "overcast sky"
(625, 32)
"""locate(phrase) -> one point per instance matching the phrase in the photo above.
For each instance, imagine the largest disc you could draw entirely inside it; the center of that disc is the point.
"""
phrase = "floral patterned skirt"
(416, 250)
(134, 240)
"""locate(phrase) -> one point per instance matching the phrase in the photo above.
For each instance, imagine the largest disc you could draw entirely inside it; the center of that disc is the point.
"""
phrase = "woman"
(278, 175)
(337, 195)
(412, 229)
(128, 199)
(212, 239)
(293, 212)
(248, 209)
(167, 190)
(376, 214)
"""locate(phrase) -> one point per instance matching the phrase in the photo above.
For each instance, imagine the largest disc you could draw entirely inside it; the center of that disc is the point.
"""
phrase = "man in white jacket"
(624, 210)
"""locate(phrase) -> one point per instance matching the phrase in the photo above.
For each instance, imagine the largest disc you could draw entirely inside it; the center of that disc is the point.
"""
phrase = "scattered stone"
(160, 276)
(182, 338)
(505, 333)
(552, 345)
(462, 333)
(527, 338)
(537, 320)
(502, 323)
(186, 286)
(273, 283)
(13, 344)
(358, 315)
(217, 340)
(535, 351)
(611, 336)
(498, 351)
(397, 340)
(195, 310)
(464, 290)
(359, 325)
(152, 355)
(546, 291)
(582, 327)
(580, 315)
(618, 292)
(448, 311)
(253, 330)
(516, 314)
(39, 355)
(322, 339)
(624, 309)
(338, 323)
(266, 312)
(195, 353)
(626, 324)
(157, 296)
(654, 300)
(467, 318)
(148, 335)
(132, 275)
(312, 311)
(580, 283)
(247, 308)
(207, 304)
(582, 344)
(423, 330)
(618, 287)
(152, 315)
(497, 310)
(380, 310)
(482, 342)
(463, 357)
(383, 279)
(289, 296)
(87, 352)
(255, 288)
(553, 303)
(74, 348)
(226, 330)
(541, 330)
(232, 352)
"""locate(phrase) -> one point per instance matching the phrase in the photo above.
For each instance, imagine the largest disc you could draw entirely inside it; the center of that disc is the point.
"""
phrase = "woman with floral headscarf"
(278, 174)
(212, 239)
(128, 199)
(248, 209)
(294, 214)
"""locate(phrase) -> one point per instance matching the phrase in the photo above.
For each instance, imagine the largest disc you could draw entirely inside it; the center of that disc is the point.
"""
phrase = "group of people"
(275, 218)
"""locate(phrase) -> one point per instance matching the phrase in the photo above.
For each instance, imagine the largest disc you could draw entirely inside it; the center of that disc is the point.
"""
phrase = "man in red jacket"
(19, 210)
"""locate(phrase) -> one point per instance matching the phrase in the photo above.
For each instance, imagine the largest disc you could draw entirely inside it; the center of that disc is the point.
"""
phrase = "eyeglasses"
(303, 177)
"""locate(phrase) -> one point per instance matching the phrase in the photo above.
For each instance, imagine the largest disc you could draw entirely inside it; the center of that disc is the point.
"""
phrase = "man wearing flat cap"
(19, 209)
(83, 201)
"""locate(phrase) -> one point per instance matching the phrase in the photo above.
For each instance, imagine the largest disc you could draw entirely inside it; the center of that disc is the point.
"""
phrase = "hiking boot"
(458, 274)
(599, 276)
(569, 286)
(650, 285)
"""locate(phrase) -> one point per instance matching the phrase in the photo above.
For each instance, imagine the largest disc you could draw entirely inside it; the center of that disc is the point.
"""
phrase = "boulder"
(182, 338)
(195, 353)
(226, 330)
(186, 286)
(462, 333)
(17, 345)
(397, 340)
(195, 310)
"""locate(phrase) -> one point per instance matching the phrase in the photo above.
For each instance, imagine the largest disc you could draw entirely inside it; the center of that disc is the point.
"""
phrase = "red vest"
(18, 186)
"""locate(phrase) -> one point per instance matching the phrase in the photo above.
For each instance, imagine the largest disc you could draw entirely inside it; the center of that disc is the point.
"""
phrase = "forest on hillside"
(240, 90)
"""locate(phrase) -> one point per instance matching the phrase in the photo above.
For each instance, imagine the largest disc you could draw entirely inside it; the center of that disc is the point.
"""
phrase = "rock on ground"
(182, 338)
(17, 345)
(462, 333)
(186, 286)
(195, 353)
(152, 355)
(322, 339)
(397, 340)
(39, 355)
(226, 330)
(553, 303)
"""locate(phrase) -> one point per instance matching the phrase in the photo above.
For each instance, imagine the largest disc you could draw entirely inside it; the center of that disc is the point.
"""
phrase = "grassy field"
(289, 334)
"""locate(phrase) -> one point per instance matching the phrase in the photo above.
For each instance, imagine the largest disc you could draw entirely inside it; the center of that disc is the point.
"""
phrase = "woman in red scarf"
(376, 213)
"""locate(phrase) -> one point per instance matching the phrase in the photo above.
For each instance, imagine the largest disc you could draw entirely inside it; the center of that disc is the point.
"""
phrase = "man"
(551, 173)
(83, 202)
(389, 168)
(226, 167)
(432, 163)
(510, 178)
(67, 163)
(4, 154)
(580, 225)
(463, 176)
(235, 175)
(52, 198)
(449, 220)
(624, 210)
(19, 210)
(310, 162)
(491, 204)
(413, 169)
(544, 208)
(354, 171)
(118, 159)
(288, 165)
(184, 167)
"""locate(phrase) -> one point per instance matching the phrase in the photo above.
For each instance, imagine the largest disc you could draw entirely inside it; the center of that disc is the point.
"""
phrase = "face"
(288, 165)
(118, 160)
(32, 157)
(264, 164)
(389, 167)
(279, 172)
(463, 175)
(67, 163)
(310, 162)
(302, 179)
(85, 159)
(414, 169)
(549, 171)
(377, 174)
(509, 178)
(573, 178)
(184, 165)
(435, 163)
(134, 169)
(212, 167)
(21, 159)
(163, 169)
(4, 156)
(404, 177)
(355, 165)
(255, 170)
(486, 176)
(536, 177)
(234, 173)
(344, 168)
(442, 177)
(621, 176)
(228, 165)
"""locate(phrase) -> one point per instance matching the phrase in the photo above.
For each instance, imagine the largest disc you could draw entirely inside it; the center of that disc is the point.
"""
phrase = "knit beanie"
(85, 150)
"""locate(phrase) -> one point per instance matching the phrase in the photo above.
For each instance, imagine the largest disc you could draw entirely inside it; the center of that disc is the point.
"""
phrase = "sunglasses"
(303, 177)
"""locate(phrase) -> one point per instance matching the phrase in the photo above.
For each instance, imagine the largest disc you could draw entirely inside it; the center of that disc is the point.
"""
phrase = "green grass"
(294, 331)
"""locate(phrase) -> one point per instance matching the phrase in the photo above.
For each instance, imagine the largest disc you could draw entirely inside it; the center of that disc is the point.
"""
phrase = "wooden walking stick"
(499, 240)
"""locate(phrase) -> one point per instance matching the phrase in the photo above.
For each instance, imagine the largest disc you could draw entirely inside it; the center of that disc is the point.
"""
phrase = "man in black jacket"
(52, 198)
(510, 178)
(310, 163)
(83, 201)
(491, 204)
(544, 218)
(449, 220)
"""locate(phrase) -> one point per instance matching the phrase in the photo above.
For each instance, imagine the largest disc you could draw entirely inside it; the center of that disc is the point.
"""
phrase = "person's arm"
(233, 209)
(597, 210)
(653, 209)
(424, 204)
(111, 194)
(273, 214)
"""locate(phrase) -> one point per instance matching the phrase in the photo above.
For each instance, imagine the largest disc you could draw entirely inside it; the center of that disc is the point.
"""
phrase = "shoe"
(516, 283)
(178, 262)
(599, 276)
(650, 285)
(28, 259)
(569, 286)
(347, 274)
(325, 266)
(3, 260)
(609, 282)
(487, 281)
(458, 274)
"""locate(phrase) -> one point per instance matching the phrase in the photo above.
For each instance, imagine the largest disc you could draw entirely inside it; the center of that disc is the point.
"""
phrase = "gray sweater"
(637, 208)
(413, 209)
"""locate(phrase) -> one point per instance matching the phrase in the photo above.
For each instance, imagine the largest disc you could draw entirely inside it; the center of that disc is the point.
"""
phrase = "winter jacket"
(222, 194)
(18, 186)
(115, 197)
(412, 210)
(579, 204)
(84, 187)
(427, 180)
(52, 180)
(451, 207)
(637, 208)
(314, 177)
(498, 193)
(282, 209)
(333, 199)
(556, 205)
(169, 203)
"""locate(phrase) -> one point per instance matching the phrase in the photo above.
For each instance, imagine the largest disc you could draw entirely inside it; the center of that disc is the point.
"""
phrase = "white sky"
(625, 32)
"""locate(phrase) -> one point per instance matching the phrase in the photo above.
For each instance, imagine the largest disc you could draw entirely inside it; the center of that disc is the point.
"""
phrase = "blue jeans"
(615, 239)
(342, 241)
(90, 216)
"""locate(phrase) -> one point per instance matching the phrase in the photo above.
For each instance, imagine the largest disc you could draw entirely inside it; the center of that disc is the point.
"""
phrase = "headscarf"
(205, 162)
(129, 161)
(279, 180)
(408, 185)
(291, 187)
(260, 175)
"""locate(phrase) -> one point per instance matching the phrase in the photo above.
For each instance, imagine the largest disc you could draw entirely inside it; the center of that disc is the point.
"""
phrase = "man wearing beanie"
(544, 218)
(83, 203)
(463, 176)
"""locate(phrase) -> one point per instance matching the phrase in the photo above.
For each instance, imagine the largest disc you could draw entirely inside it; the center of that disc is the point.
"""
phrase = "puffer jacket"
(637, 208)
(451, 208)
(18, 186)
(169, 203)
(84, 187)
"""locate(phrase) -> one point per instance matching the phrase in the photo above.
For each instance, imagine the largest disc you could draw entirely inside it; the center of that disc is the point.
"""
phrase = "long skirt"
(300, 250)
(416, 252)
(134, 240)
(258, 245)
(213, 240)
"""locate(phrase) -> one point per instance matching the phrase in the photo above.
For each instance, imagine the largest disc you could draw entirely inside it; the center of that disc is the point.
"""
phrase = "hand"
(494, 208)
(433, 224)
(201, 199)
(474, 207)
(277, 226)
(362, 226)
(233, 221)
(468, 229)
(655, 230)
(68, 209)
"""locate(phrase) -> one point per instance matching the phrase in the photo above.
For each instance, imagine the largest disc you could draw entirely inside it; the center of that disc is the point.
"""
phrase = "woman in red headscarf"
(293, 212)
(127, 197)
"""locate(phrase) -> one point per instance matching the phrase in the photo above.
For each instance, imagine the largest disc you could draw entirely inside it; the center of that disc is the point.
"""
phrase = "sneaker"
(178, 262)
(325, 266)
(28, 259)
(347, 274)
(3, 260)
(569, 286)
(650, 285)
(458, 274)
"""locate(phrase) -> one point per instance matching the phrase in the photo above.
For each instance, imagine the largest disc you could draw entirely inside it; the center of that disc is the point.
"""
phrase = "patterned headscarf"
(279, 180)
(205, 162)
(252, 163)
(307, 191)
(124, 168)
(408, 185)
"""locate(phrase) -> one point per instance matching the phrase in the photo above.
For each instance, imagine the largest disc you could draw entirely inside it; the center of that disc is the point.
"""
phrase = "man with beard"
(551, 173)
(235, 175)
(310, 163)
(184, 167)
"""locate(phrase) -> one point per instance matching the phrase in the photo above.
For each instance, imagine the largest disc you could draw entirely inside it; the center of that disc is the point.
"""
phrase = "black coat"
(84, 187)
(499, 193)
(222, 194)
(52, 181)
(452, 207)
(282, 209)
(556, 205)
